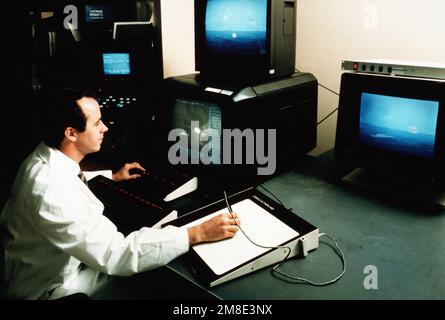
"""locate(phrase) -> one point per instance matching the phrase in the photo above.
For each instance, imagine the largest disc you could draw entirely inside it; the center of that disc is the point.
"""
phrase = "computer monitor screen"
(399, 124)
(116, 64)
(392, 124)
(236, 27)
(233, 38)
(100, 13)
(199, 124)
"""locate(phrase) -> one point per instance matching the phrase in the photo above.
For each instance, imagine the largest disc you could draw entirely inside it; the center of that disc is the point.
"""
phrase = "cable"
(324, 87)
(269, 192)
(330, 90)
(275, 268)
(256, 244)
(318, 284)
(330, 114)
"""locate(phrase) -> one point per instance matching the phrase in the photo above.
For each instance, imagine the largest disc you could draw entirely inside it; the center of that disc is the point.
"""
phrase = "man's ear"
(71, 134)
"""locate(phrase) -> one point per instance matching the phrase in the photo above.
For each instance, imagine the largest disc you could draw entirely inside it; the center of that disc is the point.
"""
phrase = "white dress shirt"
(55, 222)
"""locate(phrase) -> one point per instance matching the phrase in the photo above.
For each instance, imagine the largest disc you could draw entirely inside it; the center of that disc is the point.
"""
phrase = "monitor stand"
(403, 188)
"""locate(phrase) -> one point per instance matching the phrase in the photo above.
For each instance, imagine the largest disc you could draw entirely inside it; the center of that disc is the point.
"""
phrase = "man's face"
(90, 140)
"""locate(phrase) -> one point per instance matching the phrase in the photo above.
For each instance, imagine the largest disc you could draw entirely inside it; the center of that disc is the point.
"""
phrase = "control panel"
(395, 67)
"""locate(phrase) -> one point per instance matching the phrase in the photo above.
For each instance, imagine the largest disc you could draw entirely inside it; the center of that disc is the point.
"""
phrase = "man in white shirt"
(58, 242)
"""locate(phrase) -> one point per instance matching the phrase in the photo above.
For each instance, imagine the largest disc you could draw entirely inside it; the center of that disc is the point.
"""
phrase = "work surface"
(394, 249)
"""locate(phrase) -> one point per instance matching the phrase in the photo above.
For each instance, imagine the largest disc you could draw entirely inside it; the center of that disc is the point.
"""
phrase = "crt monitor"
(116, 64)
(253, 130)
(97, 17)
(237, 27)
(392, 124)
(100, 13)
(202, 120)
(249, 38)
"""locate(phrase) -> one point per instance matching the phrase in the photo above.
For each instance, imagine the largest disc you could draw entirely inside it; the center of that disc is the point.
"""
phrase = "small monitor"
(116, 64)
(102, 13)
(199, 122)
(392, 124)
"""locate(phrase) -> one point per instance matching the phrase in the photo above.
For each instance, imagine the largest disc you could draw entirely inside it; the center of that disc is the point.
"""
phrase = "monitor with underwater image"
(399, 124)
(249, 39)
(236, 27)
(392, 124)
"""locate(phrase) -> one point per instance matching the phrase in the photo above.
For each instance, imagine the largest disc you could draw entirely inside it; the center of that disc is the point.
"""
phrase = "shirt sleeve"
(77, 226)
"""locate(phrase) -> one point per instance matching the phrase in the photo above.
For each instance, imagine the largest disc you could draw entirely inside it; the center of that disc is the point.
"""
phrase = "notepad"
(261, 226)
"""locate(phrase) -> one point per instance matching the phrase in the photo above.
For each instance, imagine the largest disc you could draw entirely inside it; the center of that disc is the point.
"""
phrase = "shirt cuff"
(183, 237)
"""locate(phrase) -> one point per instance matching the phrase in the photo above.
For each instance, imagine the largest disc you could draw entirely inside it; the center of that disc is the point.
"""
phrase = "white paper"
(260, 226)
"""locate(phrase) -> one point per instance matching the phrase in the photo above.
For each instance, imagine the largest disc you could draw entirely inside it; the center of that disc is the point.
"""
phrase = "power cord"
(330, 90)
(303, 280)
(287, 277)
(324, 87)
(330, 114)
(274, 196)
(248, 238)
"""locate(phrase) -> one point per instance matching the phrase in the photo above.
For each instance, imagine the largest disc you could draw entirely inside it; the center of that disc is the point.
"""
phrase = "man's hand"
(218, 228)
(124, 172)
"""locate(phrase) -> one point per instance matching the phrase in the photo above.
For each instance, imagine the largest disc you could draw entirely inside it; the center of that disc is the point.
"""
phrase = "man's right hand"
(217, 228)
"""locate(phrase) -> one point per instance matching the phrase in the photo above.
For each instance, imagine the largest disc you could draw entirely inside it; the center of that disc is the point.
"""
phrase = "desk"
(405, 242)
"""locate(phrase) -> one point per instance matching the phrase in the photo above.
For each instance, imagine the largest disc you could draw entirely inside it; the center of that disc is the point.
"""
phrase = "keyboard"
(128, 211)
(117, 102)
(163, 183)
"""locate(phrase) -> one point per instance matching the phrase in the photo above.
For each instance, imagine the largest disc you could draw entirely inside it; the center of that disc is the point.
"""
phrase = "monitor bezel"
(348, 147)
(119, 24)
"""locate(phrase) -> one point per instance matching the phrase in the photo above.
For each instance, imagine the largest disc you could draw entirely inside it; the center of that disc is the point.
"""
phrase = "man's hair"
(61, 110)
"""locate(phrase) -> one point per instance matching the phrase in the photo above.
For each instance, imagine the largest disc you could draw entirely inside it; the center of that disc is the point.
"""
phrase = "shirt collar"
(58, 160)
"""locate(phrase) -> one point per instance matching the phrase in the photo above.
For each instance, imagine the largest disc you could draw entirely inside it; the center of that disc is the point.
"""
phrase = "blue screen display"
(399, 124)
(116, 63)
(236, 26)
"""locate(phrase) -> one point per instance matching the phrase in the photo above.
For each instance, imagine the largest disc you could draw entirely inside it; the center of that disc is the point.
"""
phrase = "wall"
(329, 31)
(178, 37)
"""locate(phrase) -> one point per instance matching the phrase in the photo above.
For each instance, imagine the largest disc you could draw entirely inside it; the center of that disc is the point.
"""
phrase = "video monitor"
(199, 123)
(399, 124)
(100, 13)
(392, 124)
(236, 27)
(116, 64)
(248, 39)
